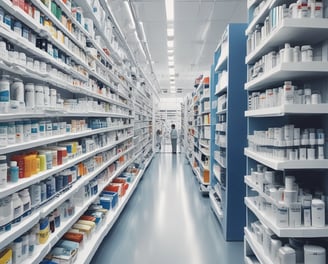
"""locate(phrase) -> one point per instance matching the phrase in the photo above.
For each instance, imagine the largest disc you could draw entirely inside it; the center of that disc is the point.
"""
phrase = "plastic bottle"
(25, 246)
(11, 130)
(35, 192)
(4, 94)
(17, 208)
(26, 199)
(3, 171)
(13, 172)
(3, 135)
(17, 250)
(19, 127)
(31, 242)
(29, 95)
(6, 211)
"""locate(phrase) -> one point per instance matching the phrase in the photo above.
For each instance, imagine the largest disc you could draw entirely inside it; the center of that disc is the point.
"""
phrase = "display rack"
(309, 173)
(199, 133)
(103, 98)
(228, 128)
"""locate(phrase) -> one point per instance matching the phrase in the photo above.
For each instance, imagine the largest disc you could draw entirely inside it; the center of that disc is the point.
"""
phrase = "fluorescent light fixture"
(170, 32)
(142, 32)
(170, 58)
(170, 43)
(171, 63)
(128, 8)
(169, 6)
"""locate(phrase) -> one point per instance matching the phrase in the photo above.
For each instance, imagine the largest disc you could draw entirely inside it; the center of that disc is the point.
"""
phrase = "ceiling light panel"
(169, 6)
(170, 43)
(170, 32)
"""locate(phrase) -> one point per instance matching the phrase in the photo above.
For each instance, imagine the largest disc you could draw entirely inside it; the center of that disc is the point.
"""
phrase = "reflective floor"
(167, 221)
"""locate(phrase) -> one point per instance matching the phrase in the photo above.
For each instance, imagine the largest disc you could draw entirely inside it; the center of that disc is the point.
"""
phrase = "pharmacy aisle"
(168, 221)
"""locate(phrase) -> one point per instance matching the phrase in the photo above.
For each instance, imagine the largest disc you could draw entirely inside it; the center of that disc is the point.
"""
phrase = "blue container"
(109, 200)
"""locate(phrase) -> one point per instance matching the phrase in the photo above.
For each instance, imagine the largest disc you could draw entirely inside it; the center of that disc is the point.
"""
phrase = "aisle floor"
(167, 221)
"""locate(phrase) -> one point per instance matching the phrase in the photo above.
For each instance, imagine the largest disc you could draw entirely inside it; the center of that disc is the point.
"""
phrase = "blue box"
(108, 200)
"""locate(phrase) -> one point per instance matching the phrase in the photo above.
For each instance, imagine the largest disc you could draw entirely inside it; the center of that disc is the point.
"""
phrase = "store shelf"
(256, 247)
(197, 173)
(57, 138)
(46, 210)
(251, 3)
(302, 232)
(264, 12)
(292, 30)
(215, 207)
(85, 255)
(288, 71)
(16, 231)
(202, 163)
(221, 90)
(206, 153)
(220, 163)
(222, 62)
(224, 111)
(205, 112)
(291, 109)
(216, 175)
(42, 250)
(286, 164)
(25, 182)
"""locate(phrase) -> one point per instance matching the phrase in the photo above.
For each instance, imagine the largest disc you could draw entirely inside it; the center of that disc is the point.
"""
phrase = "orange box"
(206, 176)
(122, 181)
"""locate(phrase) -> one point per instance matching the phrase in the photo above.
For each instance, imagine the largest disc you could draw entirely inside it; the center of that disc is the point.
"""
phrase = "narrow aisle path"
(167, 221)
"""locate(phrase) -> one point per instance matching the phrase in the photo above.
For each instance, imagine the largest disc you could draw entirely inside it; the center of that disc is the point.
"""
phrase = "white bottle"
(314, 254)
(26, 199)
(25, 242)
(318, 213)
(17, 251)
(17, 208)
(3, 171)
(286, 255)
(6, 210)
(31, 242)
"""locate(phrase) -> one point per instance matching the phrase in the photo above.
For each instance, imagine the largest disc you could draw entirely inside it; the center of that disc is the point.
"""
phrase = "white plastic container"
(6, 210)
(17, 251)
(314, 254)
(17, 208)
(3, 171)
(4, 94)
(286, 255)
(26, 199)
(318, 213)
(29, 95)
(17, 90)
(39, 96)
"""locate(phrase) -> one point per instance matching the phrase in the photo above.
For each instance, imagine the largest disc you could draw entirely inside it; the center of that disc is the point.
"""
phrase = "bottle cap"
(13, 164)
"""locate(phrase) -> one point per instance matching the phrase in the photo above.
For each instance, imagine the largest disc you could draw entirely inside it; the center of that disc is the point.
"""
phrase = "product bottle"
(4, 94)
(26, 199)
(17, 208)
(17, 251)
(306, 207)
(31, 242)
(13, 171)
(3, 171)
(6, 211)
(25, 246)
(35, 191)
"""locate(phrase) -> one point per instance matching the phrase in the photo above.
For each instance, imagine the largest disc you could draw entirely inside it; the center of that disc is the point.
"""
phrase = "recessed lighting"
(171, 71)
(170, 44)
(170, 32)
(127, 5)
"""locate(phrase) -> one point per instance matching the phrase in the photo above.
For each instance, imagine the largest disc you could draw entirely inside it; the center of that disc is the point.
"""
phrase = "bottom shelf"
(256, 247)
(216, 207)
(85, 255)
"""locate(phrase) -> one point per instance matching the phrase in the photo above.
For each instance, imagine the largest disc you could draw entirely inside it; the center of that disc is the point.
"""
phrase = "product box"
(109, 199)
(65, 252)
(6, 256)
(122, 181)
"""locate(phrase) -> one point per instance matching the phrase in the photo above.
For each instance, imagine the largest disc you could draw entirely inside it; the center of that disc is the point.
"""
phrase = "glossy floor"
(167, 221)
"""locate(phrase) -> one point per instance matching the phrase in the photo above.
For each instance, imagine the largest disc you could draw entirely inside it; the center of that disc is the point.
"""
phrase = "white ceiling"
(198, 26)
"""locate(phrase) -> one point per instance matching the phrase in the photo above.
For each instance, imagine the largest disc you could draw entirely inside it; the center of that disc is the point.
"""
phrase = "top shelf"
(262, 14)
(222, 63)
(295, 31)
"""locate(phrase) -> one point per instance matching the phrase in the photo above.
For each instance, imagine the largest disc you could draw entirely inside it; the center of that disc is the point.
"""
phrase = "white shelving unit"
(118, 82)
(312, 73)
